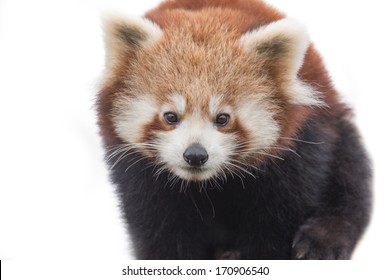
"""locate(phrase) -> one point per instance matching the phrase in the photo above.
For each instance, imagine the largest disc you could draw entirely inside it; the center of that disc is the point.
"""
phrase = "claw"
(301, 255)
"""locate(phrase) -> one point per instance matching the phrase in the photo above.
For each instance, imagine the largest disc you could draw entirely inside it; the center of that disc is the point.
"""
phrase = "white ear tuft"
(124, 35)
(282, 46)
(284, 41)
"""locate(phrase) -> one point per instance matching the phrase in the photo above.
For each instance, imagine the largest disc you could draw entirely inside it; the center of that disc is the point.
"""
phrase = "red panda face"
(218, 140)
(196, 143)
(204, 104)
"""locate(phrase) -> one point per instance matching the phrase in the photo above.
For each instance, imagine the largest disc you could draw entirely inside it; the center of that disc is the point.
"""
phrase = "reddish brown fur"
(156, 124)
(249, 10)
(251, 15)
(105, 105)
(233, 18)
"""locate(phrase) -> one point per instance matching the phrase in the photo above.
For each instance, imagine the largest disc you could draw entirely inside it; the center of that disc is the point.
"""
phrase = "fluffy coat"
(298, 186)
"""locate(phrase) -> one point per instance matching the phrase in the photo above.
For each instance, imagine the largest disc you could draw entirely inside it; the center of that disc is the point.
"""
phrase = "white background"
(55, 198)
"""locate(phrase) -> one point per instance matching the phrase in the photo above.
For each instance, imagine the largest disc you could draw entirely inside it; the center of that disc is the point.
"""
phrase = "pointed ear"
(281, 47)
(124, 37)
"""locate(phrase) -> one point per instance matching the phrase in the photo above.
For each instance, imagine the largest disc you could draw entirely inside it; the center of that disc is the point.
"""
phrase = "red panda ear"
(281, 47)
(123, 36)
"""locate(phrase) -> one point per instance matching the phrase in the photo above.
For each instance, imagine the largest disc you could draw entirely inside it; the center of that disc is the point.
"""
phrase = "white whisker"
(303, 141)
(141, 158)
(211, 202)
(288, 150)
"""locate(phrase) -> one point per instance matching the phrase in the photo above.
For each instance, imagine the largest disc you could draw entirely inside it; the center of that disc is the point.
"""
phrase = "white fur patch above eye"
(176, 104)
(179, 103)
(216, 107)
(214, 104)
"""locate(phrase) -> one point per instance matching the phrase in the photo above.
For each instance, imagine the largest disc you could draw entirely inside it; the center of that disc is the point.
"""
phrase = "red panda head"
(200, 99)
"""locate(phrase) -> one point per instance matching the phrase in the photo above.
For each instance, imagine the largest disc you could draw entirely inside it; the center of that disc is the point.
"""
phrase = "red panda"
(226, 138)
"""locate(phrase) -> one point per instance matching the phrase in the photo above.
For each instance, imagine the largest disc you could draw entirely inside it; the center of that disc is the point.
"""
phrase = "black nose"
(195, 155)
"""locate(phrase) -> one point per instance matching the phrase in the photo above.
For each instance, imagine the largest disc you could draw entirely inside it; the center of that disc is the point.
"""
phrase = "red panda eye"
(171, 118)
(222, 119)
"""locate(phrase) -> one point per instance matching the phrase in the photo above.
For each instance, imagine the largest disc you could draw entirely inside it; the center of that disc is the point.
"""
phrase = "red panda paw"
(322, 239)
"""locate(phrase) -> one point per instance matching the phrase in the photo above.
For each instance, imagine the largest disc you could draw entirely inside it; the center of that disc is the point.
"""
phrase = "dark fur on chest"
(313, 204)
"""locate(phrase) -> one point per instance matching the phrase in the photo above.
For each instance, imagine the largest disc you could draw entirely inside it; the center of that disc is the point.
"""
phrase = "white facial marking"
(303, 94)
(179, 103)
(215, 106)
(260, 123)
(131, 114)
(195, 130)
